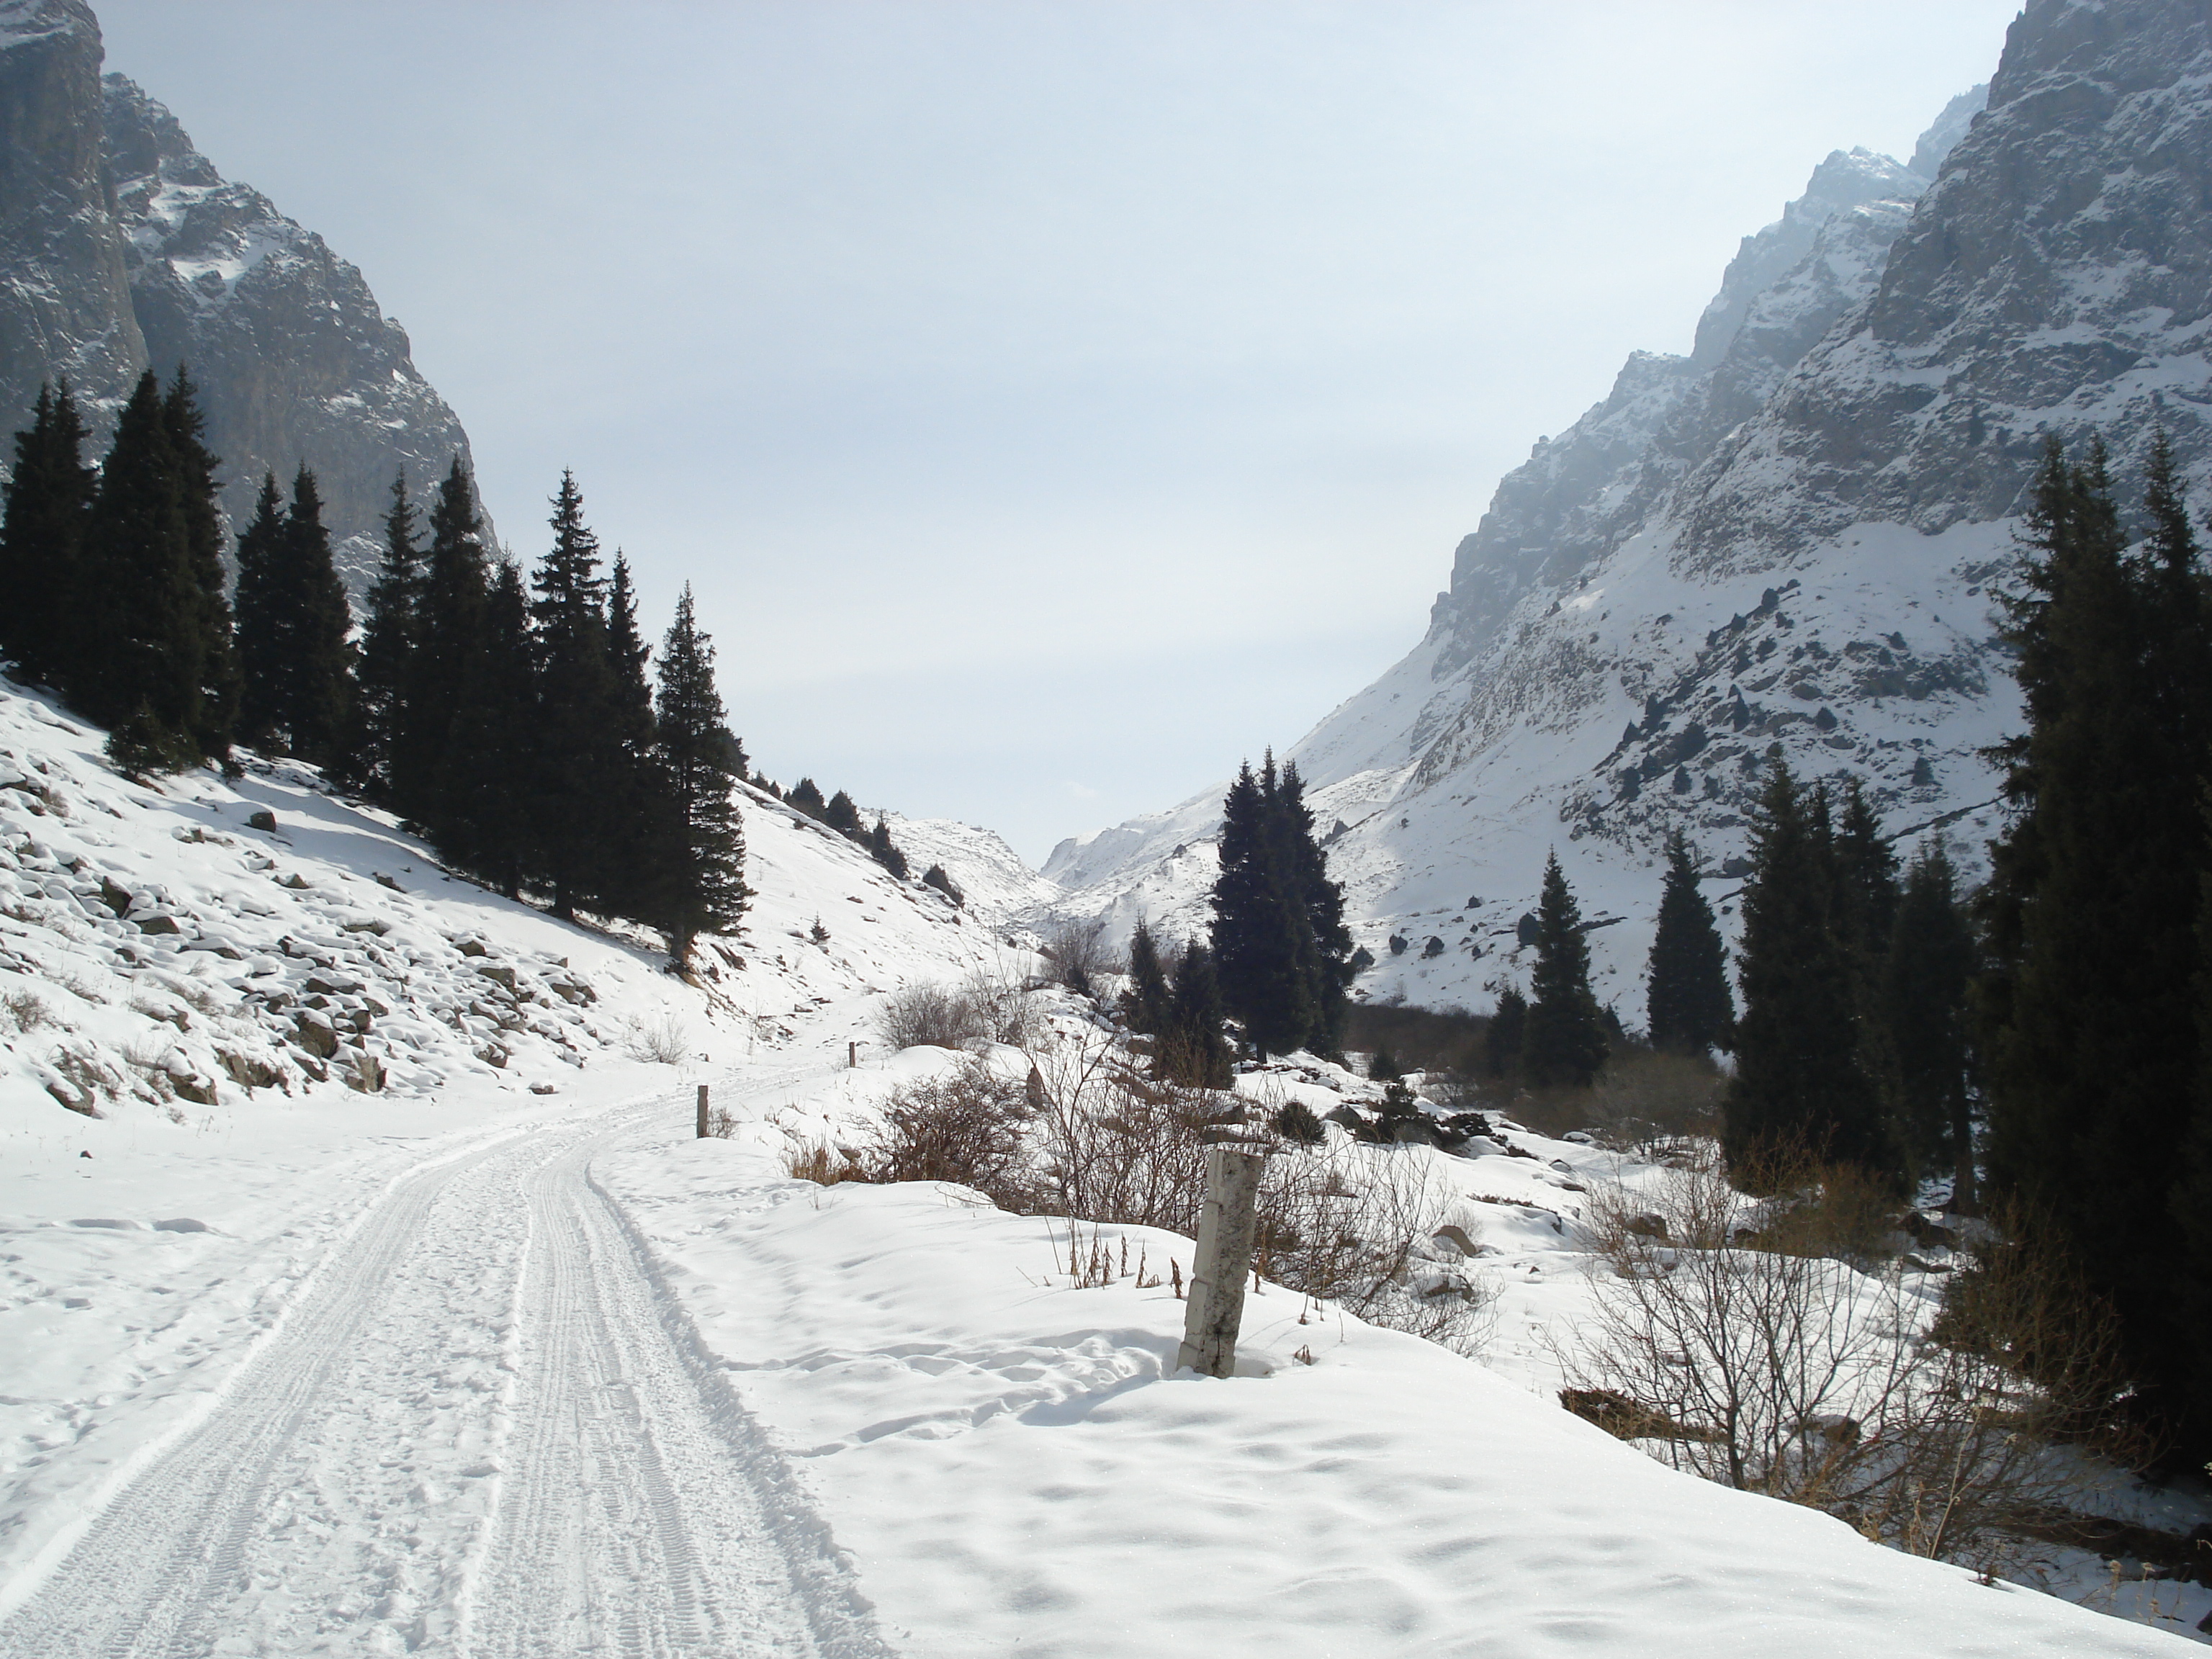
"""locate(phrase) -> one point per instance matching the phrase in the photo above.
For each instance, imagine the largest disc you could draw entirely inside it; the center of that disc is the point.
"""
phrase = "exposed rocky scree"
(121, 248)
(1793, 536)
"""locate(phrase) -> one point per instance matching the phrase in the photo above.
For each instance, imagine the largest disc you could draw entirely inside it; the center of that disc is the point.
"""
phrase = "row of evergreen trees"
(1854, 1045)
(1280, 947)
(840, 813)
(1180, 1008)
(514, 722)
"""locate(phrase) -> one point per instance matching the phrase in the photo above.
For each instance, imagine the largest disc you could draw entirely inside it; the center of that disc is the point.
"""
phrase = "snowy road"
(483, 1428)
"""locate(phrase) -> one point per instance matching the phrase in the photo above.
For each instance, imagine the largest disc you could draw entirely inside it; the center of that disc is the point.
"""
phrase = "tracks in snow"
(484, 1431)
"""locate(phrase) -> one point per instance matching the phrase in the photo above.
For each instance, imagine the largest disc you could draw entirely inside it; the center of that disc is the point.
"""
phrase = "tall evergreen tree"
(260, 609)
(217, 706)
(579, 769)
(451, 635)
(1925, 980)
(703, 763)
(1563, 1041)
(840, 814)
(49, 501)
(390, 639)
(1800, 1084)
(1687, 1005)
(485, 789)
(144, 668)
(644, 826)
(1191, 1049)
(2094, 1054)
(1508, 1029)
(806, 797)
(1145, 1003)
(1325, 942)
(1260, 953)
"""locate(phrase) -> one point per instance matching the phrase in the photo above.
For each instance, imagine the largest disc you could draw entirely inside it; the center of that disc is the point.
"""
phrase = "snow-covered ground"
(456, 1367)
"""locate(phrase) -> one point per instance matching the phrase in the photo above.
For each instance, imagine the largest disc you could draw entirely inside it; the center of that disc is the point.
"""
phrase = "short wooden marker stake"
(1226, 1227)
(702, 1111)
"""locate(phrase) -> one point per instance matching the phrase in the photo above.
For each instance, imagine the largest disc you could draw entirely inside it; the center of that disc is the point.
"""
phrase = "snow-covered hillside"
(460, 1366)
(1790, 538)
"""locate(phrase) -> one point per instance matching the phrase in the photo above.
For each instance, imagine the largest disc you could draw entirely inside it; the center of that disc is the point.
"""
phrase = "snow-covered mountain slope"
(456, 1367)
(121, 248)
(1787, 539)
(993, 881)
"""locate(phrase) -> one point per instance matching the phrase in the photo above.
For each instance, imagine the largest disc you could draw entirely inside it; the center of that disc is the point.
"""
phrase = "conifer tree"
(1191, 1049)
(2094, 1059)
(144, 668)
(884, 850)
(390, 640)
(260, 642)
(485, 788)
(1687, 1005)
(579, 769)
(450, 635)
(1562, 1042)
(1925, 980)
(216, 709)
(1508, 1029)
(703, 763)
(1383, 1066)
(1325, 941)
(1800, 1086)
(294, 659)
(643, 825)
(1145, 1003)
(1279, 945)
(842, 816)
(49, 501)
(806, 797)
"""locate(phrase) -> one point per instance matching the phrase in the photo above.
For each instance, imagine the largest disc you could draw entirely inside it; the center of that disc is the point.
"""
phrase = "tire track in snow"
(342, 1498)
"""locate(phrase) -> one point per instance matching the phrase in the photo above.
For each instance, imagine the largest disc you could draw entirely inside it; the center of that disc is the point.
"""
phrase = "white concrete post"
(1225, 1229)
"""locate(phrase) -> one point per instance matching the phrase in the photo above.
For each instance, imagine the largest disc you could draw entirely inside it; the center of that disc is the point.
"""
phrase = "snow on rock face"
(123, 248)
(1793, 538)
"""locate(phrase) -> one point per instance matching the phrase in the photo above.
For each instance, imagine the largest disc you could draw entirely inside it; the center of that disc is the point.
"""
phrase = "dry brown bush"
(1079, 956)
(965, 1126)
(1783, 1368)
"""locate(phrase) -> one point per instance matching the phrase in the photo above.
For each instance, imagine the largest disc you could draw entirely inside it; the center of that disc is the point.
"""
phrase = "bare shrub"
(1079, 956)
(1787, 1370)
(1004, 1010)
(25, 1012)
(1641, 1098)
(823, 1164)
(662, 1040)
(930, 1017)
(965, 1126)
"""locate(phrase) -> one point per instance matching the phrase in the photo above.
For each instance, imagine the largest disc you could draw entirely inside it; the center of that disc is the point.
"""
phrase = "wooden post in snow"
(702, 1111)
(852, 1056)
(1225, 1229)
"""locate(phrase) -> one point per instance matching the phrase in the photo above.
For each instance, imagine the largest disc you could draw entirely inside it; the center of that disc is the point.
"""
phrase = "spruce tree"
(49, 501)
(211, 624)
(1508, 1029)
(580, 770)
(2094, 1056)
(1325, 941)
(142, 669)
(703, 763)
(841, 815)
(1256, 930)
(319, 669)
(489, 764)
(1562, 1042)
(643, 825)
(1687, 1005)
(1145, 1003)
(1924, 979)
(450, 635)
(261, 644)
(884, 851)
(390, 639)
(1191, 1049)
(806, 797)
(1800, 1087)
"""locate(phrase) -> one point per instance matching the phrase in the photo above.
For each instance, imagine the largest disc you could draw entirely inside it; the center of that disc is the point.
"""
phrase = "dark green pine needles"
(1687, 1006)
(1563, 1040)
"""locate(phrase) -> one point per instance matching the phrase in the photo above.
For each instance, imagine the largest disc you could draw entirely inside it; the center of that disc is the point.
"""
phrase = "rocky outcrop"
(122, 247)
(64, 282)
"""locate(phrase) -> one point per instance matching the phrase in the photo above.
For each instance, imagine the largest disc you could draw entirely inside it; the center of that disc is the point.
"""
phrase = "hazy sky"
(1050, 403)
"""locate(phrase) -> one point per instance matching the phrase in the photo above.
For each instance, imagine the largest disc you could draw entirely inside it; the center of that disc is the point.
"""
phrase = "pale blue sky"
(1051, 403)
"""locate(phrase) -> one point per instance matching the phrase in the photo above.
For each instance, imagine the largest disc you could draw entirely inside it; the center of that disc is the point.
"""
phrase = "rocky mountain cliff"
(121, 248)
(1787, 538)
